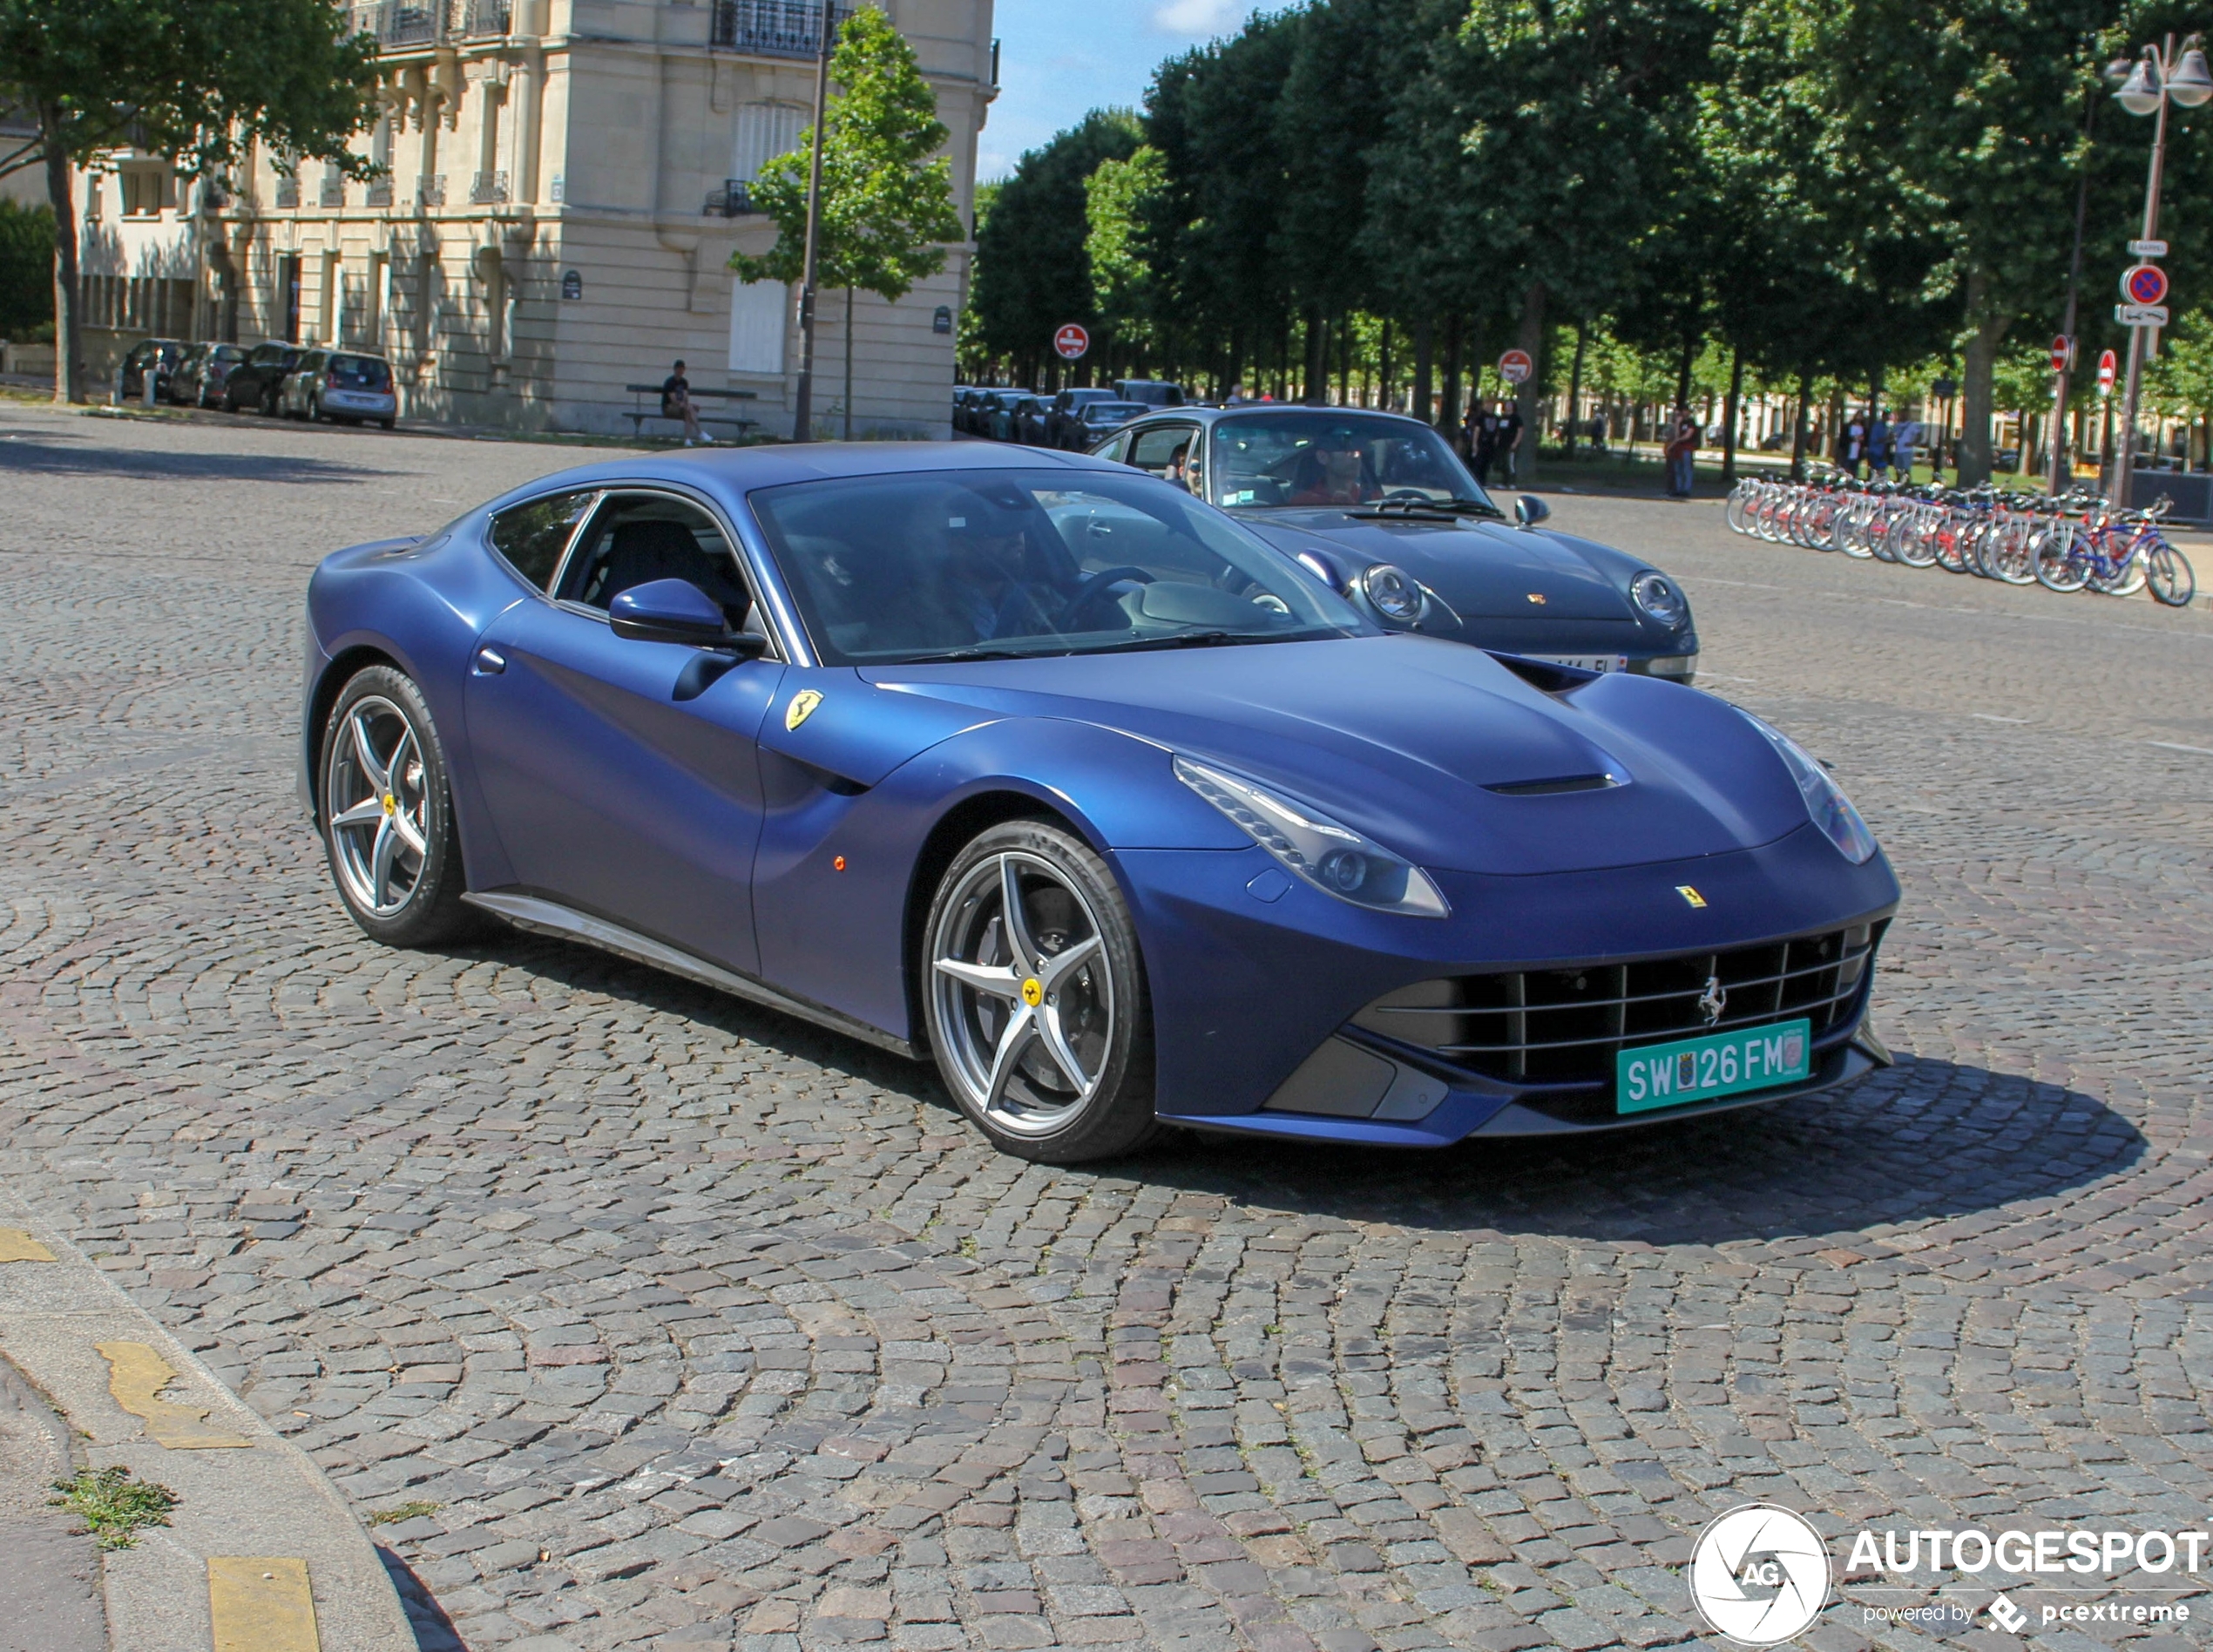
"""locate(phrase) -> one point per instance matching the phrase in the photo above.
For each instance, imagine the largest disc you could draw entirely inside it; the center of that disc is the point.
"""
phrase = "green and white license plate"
(1752, 1057)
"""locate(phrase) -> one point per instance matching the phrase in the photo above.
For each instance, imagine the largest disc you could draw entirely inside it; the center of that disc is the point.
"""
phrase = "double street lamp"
(2159, 76)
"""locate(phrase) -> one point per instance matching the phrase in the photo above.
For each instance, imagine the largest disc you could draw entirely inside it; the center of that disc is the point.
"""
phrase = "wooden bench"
(639, 412)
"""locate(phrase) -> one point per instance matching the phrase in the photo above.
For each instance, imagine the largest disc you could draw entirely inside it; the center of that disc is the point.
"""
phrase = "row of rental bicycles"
(2072, 542)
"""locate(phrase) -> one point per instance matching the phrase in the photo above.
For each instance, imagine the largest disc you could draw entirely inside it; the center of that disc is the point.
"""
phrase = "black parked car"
(1381, 507)
(1095, 419)
(163, 354)
(259, 380)
(1063, 425)
(200, 375)
(1152, 392)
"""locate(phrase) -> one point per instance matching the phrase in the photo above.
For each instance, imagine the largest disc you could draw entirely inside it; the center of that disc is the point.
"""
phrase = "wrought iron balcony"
(287, 192)
(733, 199)
(430, 189)
(773, 28)
(333, 189)
(399, 22)
(472, 19)
(488, 189)
(379, 193)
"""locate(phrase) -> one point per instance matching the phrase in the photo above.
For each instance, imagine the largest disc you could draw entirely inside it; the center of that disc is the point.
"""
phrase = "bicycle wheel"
(2123, 580)
(1917, 546)
(2062, 561)
(1953, 549)
(2173, 580)
(2013, 558)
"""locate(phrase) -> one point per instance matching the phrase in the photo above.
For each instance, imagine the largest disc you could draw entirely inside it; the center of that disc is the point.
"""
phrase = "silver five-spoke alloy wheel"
(1025, 997)
(377, 785)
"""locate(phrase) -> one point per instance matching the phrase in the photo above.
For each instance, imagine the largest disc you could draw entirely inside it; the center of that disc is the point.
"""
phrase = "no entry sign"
(2062, 354)
(2144, 284)
(1515, 366)
(1071, 342)
(2108, 368)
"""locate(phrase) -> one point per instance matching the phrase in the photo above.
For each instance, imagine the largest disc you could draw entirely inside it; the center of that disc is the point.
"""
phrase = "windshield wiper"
(1208, 639)
(954, 655)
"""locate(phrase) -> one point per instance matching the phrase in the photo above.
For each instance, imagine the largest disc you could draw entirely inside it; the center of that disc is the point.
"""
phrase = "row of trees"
(1402, 189)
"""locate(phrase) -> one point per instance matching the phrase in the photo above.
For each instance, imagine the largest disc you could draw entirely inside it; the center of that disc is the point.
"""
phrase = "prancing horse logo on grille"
(1713, 1000)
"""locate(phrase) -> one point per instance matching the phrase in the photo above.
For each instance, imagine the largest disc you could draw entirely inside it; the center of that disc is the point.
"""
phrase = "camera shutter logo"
(1759, 1575)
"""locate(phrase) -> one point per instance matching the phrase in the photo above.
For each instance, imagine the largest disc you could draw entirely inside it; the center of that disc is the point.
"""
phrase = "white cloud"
(1200, 18)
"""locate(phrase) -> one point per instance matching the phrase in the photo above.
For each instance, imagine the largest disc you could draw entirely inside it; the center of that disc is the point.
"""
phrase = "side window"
(1115, 447)
(532, 536)
(634, 538)
(1154, 449)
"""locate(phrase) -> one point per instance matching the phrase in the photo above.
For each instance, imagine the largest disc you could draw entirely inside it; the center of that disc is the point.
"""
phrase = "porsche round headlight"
(1825, 800)
(1394, 592)
(1333, 858)
(1658, 596)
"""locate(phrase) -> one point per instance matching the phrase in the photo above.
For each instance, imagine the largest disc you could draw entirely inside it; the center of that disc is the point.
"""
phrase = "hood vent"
(1546, 788)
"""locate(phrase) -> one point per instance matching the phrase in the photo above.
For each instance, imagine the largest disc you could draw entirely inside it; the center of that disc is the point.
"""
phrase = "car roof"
(1205, 414)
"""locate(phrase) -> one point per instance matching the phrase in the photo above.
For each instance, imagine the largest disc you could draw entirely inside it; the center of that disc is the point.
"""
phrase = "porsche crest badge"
(801, 707)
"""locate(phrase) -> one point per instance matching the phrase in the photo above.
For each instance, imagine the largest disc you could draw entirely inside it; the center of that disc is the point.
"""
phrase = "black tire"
(396, 722)
(270, 402)
(1096, 1007)
(315, 410)
(2173, 581)
(386, 423)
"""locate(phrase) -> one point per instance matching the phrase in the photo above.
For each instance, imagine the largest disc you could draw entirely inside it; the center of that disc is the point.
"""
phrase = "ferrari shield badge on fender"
(1685, 890)
(801, 707)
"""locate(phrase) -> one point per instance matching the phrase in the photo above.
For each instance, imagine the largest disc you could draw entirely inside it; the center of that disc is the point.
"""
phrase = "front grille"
(1562, 1028)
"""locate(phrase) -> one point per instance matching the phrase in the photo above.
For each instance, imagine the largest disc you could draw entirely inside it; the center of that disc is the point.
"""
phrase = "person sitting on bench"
(676, 403)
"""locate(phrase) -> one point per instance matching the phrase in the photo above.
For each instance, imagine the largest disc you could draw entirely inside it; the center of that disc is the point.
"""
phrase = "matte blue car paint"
(1395, 735)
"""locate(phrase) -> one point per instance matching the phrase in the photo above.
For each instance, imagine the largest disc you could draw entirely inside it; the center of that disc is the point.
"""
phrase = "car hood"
(1484, 570)
(1411, 739)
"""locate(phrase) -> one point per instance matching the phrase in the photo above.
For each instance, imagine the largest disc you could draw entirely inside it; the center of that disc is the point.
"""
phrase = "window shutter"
(760, 316)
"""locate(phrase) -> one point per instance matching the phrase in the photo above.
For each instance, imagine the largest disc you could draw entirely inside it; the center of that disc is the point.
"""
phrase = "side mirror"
(677, 611)
(1529, 511)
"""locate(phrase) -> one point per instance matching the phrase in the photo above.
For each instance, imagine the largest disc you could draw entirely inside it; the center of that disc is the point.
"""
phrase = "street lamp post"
(2157, 77)
(803, 427)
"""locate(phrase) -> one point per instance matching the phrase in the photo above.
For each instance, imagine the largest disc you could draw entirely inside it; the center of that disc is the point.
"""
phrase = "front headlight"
(1657, 595)
(1334, 859)
(1395, 592)
(1825, 800)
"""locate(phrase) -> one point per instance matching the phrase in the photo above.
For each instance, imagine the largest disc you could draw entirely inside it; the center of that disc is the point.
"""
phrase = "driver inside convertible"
(1334, 471)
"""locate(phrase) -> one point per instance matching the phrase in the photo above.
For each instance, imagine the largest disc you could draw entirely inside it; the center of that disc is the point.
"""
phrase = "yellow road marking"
(261, 1605)
(136, 1377)
(15, 1245)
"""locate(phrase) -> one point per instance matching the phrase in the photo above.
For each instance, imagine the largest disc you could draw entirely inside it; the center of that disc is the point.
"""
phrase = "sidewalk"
(260, 1551)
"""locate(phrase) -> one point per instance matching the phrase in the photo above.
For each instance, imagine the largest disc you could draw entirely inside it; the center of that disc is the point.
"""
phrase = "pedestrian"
(1681, 453)
(1851, 444)
(1465, 438)
(1904, 440)
(1879, 438)
(1509, 441)
(1597, 433)
(1483, 438)
(676, 403)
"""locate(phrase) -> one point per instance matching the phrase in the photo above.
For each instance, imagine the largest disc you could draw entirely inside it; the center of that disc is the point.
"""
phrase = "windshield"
(1018, 562)
(1334, 458)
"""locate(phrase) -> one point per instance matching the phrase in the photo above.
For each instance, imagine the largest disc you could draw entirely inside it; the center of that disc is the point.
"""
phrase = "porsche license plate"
(1586, 663)
(1752, 1057)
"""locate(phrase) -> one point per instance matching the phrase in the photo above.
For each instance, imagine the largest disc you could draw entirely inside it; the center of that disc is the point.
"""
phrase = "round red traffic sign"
(2144, 284)
(2062, 353)
(1515, 366)
(2109, 369)
(1071, 342)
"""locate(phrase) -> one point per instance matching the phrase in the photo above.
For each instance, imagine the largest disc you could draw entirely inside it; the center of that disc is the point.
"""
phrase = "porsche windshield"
(1334, 459)
(1009, 563)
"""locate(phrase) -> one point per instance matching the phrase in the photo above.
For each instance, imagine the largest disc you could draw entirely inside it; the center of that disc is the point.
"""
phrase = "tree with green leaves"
(202, 81)
(26, 270)
(886, 210)
(1117, 195)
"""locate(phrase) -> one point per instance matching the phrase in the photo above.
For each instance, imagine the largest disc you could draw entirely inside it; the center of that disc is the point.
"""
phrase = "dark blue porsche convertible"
(1062, 777)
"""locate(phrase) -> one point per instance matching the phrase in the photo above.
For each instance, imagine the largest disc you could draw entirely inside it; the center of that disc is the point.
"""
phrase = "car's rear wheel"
(270, 402)
(388, 824)
(1034, 996)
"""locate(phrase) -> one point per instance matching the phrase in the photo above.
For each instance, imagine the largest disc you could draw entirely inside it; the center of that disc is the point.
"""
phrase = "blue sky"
(1059, 58)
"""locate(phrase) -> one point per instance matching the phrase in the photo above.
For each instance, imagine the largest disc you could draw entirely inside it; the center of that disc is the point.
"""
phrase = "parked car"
(344, 386)
(162, 354)
(1381, 506)
(1015, 415)
(1097, 419)
(1063, 424)
(1042, 769)
(972, 406)
(1152, 392)
(200, 373)
(259, 380)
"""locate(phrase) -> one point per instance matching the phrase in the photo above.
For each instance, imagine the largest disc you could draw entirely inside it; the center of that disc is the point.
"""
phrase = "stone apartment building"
(565, 181)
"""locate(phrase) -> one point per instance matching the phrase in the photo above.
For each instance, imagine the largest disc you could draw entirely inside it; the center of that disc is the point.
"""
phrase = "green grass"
(114, 1507)
(404, 1511)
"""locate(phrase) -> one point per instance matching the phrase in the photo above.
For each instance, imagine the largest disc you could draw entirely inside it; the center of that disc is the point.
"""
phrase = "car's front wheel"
(1034, 997)
(388, 824)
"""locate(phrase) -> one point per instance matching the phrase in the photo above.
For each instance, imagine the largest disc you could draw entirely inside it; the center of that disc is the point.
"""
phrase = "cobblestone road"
(658, 1320)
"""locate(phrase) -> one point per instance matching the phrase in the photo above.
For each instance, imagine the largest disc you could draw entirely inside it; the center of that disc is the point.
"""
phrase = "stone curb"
(263, 1498)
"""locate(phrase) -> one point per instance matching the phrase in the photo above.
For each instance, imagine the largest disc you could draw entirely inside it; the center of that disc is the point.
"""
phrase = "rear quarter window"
(530, 536)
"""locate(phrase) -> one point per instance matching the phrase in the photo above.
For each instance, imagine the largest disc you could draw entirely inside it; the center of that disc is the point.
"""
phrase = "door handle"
(490, 662)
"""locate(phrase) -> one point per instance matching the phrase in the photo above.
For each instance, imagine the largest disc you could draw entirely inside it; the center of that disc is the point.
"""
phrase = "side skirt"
(562, 923)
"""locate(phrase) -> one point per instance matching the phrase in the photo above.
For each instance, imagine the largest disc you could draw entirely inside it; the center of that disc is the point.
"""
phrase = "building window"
(146, 190)
(765, 130)
(760, 314)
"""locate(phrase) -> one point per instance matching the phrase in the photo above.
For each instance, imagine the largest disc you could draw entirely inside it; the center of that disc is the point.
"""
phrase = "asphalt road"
(694, 1327)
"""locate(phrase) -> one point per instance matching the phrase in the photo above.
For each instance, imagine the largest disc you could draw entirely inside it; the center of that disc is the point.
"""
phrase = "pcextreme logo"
(1759, 1575)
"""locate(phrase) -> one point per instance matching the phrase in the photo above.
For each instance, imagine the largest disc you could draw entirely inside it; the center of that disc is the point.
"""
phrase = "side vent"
(1547, 788)
(1543, 673)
